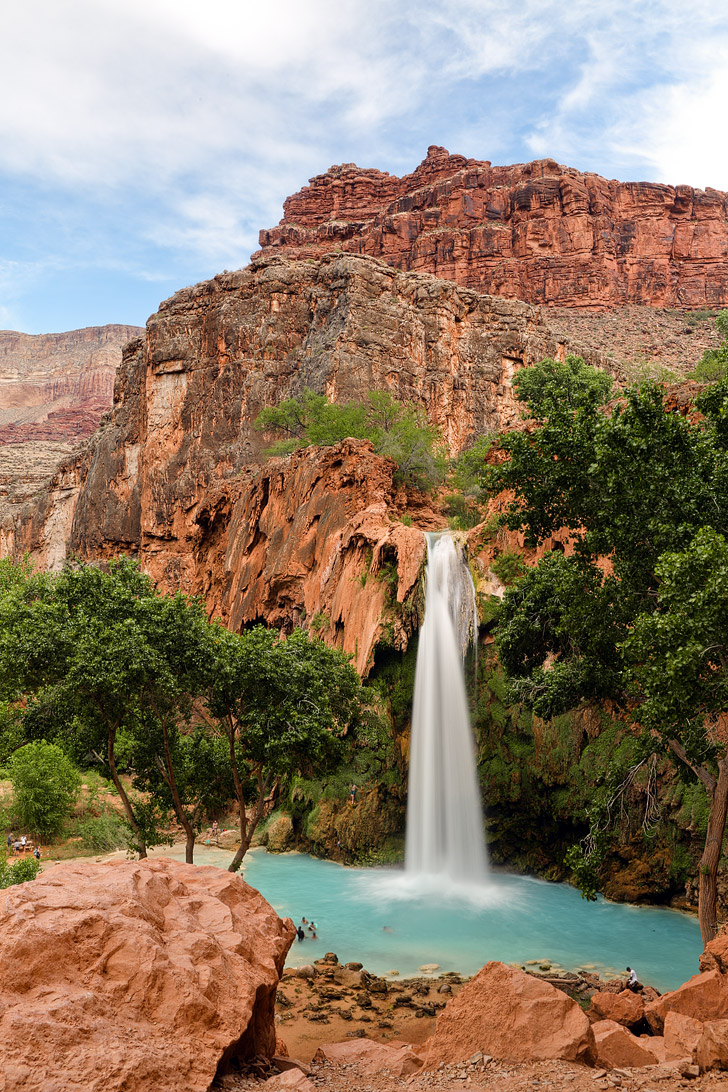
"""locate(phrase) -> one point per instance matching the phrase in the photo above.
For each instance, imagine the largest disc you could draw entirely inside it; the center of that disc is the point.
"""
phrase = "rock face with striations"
(55, 387)
(172, 477)
(147, 975)
(532, 231)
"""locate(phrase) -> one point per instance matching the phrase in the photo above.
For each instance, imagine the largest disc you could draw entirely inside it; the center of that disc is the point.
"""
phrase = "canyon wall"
(173, 476)
(55, 387)
(537, 231)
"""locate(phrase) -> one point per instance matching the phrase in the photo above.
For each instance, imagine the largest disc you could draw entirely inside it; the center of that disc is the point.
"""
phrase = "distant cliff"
(537, 231)
(55, 387)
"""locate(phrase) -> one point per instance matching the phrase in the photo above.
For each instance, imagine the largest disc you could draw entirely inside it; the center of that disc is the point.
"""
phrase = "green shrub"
(18, 871)
(508, 567)
(46, 785)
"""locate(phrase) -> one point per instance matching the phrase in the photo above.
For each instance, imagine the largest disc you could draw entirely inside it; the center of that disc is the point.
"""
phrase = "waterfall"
(444, 817)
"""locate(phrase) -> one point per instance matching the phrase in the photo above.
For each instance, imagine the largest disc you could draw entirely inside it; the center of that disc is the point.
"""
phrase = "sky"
(144, 143)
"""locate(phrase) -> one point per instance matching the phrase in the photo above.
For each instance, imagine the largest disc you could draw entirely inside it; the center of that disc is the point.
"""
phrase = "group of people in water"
(303, 927)
(19, 846)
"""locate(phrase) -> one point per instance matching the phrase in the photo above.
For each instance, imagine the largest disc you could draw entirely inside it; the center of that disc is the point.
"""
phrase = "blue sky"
(143, 143)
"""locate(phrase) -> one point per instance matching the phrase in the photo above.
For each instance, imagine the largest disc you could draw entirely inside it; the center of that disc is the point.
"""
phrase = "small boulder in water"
(429, 968)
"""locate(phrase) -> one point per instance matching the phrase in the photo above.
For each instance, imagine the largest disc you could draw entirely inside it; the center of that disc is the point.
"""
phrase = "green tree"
(398, 430)
(46, 785)
(633, 484)
(282, 707)
(105, 662)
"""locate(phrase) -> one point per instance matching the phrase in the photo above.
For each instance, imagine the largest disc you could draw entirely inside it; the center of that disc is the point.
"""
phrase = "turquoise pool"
(376, 917)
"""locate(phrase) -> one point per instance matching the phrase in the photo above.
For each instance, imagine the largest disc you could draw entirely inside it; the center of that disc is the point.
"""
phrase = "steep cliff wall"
(173, 475)
(533, 231)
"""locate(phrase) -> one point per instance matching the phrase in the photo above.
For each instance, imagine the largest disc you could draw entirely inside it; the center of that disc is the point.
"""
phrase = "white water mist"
(444, 816)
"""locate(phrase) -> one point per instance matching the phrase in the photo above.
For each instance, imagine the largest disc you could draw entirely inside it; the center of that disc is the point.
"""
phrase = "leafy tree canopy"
(46, 785)
(398, 430)
(634, 614)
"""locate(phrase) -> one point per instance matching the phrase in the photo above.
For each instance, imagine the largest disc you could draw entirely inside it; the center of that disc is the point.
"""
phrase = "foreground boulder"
(141, 975)
(702, 997)
(511, 1015)
(618, 1047)
(398, 1058)
(624, 1008)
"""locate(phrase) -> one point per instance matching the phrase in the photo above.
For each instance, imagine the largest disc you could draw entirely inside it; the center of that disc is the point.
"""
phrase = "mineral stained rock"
(173, 477)
(537, 231)
(511, 1015)
(147, 975)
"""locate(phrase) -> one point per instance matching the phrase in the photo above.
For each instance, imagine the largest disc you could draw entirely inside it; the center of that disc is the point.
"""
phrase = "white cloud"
(202, 118)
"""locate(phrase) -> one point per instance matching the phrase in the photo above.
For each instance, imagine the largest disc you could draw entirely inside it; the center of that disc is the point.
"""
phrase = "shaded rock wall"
(536, 231)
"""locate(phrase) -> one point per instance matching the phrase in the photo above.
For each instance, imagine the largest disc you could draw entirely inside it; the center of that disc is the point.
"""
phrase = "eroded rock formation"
(147, 975)
(536, 231)
(174, 477)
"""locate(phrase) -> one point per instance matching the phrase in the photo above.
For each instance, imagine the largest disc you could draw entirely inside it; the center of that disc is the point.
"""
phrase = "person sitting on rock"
(36, 853)
(632, 983)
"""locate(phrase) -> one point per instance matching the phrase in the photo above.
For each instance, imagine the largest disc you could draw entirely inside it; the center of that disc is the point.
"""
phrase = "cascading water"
(444, 817)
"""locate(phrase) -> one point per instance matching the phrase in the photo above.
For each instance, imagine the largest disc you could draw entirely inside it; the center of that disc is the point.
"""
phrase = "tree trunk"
(247, 828)
(141, 844)
(169, 777)
(708, 885)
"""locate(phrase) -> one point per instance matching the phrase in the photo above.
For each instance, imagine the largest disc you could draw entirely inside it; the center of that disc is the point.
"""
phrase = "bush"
(508, 567)
(18, 871)
(46, 785)
(398, 430)
(102, 833)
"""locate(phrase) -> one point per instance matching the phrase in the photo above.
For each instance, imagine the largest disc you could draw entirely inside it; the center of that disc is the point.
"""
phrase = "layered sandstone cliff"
(173, 476)
(55, 387)
(537, 231)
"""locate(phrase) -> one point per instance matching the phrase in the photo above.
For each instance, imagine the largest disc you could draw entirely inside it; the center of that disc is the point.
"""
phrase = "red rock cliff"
(172, 478)
(537, 231)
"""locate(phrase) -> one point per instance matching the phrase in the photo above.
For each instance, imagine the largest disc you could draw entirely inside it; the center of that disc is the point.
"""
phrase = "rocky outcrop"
(173, 476)
(509, 1014)
(146, 975)
(536, 231)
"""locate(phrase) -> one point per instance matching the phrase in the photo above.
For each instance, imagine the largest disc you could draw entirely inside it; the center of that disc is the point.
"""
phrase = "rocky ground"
(515, 1077)
(644, 341)
(325, 1003)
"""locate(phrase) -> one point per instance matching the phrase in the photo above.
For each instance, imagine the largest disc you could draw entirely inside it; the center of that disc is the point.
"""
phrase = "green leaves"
(399, 431)
(45, 785)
